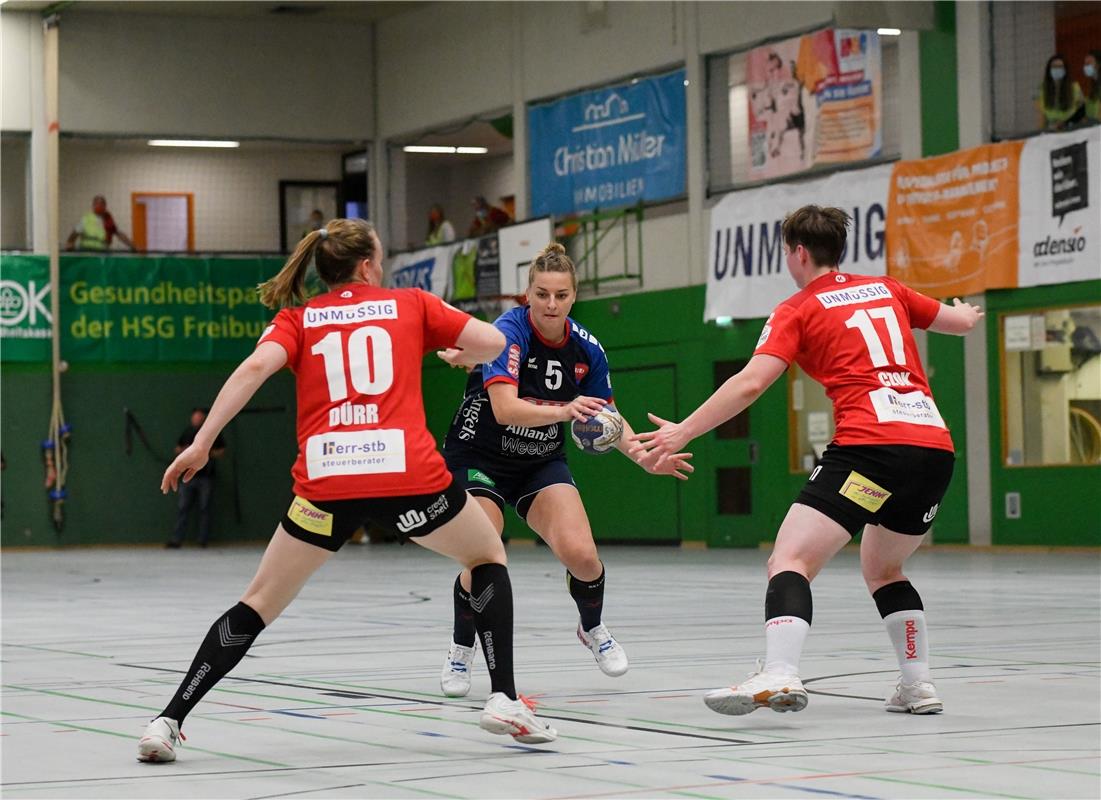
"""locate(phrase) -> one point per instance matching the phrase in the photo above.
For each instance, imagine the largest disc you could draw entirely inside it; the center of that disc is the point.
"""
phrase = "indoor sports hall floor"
(340, 697)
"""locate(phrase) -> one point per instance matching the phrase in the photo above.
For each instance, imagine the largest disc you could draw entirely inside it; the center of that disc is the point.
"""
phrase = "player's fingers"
(644, 436)
(654, 418)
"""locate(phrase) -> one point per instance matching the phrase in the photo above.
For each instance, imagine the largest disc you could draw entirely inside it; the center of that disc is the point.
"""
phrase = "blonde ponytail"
(336, 248)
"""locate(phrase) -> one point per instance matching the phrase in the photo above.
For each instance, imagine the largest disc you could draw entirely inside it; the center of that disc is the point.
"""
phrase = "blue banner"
(608, 148)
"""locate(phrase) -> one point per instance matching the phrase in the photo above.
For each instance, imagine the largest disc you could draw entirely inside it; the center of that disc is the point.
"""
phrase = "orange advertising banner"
(952, 221)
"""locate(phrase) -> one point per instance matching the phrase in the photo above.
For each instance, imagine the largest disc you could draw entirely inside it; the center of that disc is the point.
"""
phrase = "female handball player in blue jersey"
(507, 444)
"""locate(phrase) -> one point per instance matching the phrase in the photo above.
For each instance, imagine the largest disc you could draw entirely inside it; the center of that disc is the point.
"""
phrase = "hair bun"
(553, 249)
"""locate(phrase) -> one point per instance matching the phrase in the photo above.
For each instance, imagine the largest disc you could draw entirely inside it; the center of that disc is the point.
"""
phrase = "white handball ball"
(599, 433)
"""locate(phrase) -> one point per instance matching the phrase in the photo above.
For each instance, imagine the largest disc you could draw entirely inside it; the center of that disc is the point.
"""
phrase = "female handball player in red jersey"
(365, 455)
(885, 472)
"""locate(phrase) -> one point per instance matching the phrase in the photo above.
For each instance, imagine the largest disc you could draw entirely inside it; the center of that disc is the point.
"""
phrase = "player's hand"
(453, 356)
(582, 407)
(971, 314)
(185, 466)
(676, 465)
(663, 444)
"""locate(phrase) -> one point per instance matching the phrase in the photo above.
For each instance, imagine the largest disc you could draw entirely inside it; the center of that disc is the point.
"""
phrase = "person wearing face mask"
(1060, 102)
(440, 231)
(487, 218)
(1091, 86)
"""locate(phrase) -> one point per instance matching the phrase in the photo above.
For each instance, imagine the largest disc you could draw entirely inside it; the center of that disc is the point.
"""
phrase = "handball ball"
(599, 433)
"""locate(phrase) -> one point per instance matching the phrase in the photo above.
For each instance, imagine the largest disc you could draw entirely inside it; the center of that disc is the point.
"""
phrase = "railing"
(591, 231)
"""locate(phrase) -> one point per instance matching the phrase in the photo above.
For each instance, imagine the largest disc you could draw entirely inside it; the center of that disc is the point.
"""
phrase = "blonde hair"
(553, 258)
(335, 248)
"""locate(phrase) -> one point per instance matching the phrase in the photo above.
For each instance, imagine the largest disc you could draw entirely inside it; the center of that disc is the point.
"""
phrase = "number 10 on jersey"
(369, 362)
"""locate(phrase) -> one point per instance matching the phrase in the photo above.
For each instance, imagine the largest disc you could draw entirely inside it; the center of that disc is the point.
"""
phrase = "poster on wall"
(1060, 208)
(747, 276)
(952, 221)
(813, 99)
(608, 148)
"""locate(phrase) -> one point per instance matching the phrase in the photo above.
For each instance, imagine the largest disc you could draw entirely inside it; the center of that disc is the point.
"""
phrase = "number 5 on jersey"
(369, 363)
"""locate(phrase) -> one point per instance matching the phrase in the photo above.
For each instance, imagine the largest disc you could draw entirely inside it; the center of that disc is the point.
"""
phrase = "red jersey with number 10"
(852, 334)
(356, 355)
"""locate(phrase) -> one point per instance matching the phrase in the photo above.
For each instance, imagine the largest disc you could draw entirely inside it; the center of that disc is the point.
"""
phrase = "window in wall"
(810, 420)
(1051, 386)
(728, 141)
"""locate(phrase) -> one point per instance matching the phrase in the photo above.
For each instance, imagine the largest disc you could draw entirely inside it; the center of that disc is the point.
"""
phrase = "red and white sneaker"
(159, 741)
(515, 718)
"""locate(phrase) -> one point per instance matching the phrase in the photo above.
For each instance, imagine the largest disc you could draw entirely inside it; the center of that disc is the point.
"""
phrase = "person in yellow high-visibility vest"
(96, 229)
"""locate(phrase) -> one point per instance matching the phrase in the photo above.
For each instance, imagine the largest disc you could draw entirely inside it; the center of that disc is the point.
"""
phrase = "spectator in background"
(1060, 102)
(1091, 86)
(314, 223)
(440, 231)
(96, 229)
(487, 218)
(200, 487)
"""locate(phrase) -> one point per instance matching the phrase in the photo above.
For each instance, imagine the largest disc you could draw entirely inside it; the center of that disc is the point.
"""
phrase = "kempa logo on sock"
(911, 639)
(480, 602)
(411, 519)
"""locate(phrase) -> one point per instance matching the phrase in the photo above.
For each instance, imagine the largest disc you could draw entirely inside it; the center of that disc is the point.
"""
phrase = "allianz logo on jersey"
(853, 295)
(342, 315)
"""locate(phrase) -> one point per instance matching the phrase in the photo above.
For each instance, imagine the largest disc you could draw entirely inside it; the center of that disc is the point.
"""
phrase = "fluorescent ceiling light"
(889, 31)
(428, 148)
(192, 143)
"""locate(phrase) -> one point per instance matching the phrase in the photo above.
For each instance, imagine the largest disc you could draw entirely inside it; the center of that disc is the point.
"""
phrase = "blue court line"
(293, 714)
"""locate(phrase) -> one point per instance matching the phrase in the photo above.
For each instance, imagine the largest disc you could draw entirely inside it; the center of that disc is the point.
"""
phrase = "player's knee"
(782, 562)
(877, 576)
(580, 558)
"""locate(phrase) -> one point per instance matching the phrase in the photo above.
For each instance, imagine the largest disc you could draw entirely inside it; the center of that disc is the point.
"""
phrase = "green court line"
(57, 650)
(968, 792)
(131, 737)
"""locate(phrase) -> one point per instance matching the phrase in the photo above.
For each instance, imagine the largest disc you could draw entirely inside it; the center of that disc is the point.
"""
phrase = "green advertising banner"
(134, 309)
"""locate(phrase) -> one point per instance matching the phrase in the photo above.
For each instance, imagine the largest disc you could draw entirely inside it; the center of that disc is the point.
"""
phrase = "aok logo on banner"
(24, 309)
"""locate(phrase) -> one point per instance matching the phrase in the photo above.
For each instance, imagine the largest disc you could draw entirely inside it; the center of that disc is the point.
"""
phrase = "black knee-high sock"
(589, 596)
(465, 630)
(491, 602)
(226, 643)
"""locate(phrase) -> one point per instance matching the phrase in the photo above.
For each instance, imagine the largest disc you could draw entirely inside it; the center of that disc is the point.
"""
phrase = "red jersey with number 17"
(852, 334)
(356, 354)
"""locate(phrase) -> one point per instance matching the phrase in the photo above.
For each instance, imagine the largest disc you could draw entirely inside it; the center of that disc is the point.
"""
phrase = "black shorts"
(897, 486)
(514, 482)
(330, 523)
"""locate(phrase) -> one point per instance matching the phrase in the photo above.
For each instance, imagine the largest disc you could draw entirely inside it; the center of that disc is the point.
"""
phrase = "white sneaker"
(760, 690)
(158, 743)
(610, 657)
(455, 677)
(919, 697)
(515, 718)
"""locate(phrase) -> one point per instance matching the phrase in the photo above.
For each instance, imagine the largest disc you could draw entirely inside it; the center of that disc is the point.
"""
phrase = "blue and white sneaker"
(455, 677)
(610, 657)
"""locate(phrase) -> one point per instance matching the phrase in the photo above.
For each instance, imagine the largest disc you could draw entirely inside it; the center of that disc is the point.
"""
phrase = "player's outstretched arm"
(958, 318)
(676, 465)
(267, 359)
(477, 343)
(729, 400)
